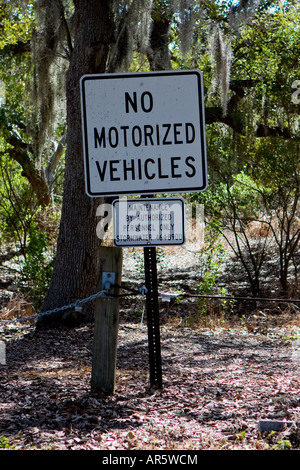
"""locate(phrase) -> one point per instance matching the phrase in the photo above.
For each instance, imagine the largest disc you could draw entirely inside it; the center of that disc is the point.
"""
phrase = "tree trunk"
(159, 53)
(77, 257)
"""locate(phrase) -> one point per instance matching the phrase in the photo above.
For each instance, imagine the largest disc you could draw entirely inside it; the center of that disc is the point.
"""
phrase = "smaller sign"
(148, 222)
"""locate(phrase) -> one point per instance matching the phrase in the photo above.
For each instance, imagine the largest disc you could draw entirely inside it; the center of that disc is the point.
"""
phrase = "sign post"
(153, 317)
(149, 222)
(144, 134)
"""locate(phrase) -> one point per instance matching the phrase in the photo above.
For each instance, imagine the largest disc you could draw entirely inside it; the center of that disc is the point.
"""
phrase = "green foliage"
(5, 443)
(16, 23)
(210, 267)
(16, 204)
(291, 338)
(37, 268)
(281, 445)
(241, 435)
(138, 261)
(253, 175)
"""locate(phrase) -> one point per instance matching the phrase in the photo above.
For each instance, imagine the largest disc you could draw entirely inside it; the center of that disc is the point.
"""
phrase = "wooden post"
(106, 323)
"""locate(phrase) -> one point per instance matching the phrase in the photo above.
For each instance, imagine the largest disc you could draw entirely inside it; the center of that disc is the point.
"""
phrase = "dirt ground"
(219, 381)
(217, 386)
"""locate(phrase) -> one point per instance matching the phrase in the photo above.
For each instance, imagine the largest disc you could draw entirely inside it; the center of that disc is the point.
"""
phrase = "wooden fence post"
(106, 324)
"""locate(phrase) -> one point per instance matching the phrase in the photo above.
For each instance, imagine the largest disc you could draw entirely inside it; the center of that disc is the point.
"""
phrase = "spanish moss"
(221, 55)
(132, 20)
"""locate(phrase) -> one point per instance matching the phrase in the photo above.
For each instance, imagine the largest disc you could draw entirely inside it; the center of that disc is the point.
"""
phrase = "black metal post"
(152, 311)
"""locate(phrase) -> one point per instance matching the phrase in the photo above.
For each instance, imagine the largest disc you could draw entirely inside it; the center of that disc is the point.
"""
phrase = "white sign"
(148, 222)
(143, 133)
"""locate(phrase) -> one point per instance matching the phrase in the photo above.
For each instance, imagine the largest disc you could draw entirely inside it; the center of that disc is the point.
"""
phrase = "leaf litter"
(219, 381)
(217, 385)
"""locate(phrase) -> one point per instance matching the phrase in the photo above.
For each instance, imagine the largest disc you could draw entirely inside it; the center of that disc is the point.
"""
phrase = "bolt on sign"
(148, 222)
(143, 133)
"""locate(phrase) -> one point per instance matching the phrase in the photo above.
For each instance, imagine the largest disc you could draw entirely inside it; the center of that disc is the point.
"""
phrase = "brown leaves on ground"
(217, 385)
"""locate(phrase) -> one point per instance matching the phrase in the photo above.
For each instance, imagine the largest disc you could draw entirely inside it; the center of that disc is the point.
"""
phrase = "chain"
(141, 291)
(101, 293)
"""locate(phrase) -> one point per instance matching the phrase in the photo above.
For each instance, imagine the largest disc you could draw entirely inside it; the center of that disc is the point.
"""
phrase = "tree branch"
(19, 151)
(16, 49)
(55, 160)
(231, 119)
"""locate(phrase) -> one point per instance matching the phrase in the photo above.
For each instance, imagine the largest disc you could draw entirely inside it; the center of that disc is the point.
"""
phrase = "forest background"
(221, 380)
(249, 54)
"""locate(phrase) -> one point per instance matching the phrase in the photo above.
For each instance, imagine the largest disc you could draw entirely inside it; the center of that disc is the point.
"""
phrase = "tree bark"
(158, 53)
(77, 257)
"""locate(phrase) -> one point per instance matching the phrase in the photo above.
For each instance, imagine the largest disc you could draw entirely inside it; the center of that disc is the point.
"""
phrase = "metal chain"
(101, 293)
(141, 291)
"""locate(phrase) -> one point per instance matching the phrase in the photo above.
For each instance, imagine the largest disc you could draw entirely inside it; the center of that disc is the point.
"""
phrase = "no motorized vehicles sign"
(143, 133)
